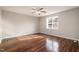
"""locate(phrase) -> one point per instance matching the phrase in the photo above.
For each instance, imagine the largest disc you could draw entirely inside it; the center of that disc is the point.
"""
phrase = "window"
(52, 22)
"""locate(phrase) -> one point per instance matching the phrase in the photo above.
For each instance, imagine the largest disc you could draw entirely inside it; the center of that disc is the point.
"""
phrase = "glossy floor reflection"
(52, 45)
(39, 43)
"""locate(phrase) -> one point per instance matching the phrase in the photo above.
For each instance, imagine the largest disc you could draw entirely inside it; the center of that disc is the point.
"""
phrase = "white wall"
(15, 24)
(0, 26)
(68, 24)
(0, 22)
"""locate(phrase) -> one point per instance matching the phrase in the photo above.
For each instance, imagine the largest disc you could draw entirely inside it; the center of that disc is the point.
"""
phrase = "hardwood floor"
(39, 43)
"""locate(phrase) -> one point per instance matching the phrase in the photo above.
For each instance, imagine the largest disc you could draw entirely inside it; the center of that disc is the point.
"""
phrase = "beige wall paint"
(17, 24)
(68, 24)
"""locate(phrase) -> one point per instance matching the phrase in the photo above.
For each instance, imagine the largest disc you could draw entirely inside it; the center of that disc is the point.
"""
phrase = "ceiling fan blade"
(33, 12)
(44, 11)
(33, 9)
(41, 8)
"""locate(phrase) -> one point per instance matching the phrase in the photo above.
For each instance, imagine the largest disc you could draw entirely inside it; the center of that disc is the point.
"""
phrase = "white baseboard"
(15, 36)
(62, 36)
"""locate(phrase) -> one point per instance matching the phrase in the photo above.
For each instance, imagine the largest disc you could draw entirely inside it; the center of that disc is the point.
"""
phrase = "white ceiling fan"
(38, 11)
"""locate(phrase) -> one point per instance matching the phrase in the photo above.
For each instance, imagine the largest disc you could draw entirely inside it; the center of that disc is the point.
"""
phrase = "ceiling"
(27, 10)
